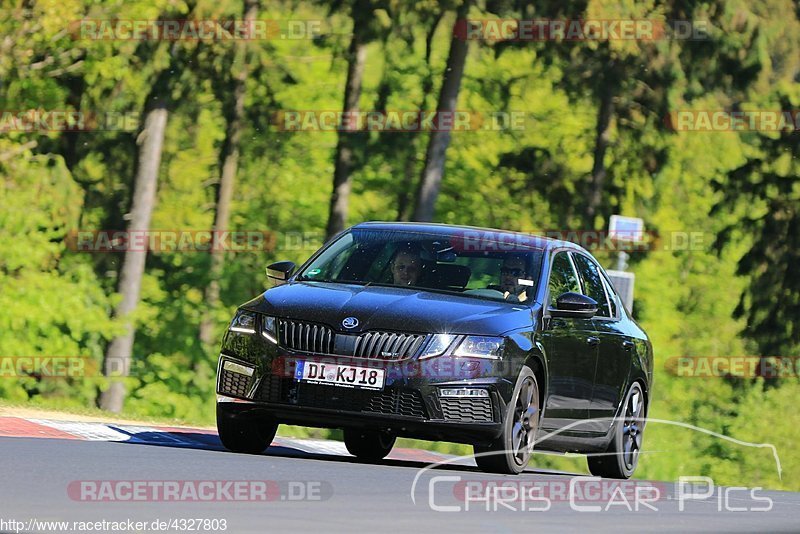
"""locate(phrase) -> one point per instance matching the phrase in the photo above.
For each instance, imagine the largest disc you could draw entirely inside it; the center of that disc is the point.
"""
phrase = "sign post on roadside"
(626, 230)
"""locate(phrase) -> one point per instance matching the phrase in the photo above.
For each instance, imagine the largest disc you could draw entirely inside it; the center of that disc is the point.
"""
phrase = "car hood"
(390, 308)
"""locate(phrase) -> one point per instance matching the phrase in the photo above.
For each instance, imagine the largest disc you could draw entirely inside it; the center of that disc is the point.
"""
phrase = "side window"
(592, 283)
(612, 296)
(562, 278)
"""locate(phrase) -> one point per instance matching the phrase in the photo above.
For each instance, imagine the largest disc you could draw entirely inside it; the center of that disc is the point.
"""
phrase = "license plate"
(340, 375)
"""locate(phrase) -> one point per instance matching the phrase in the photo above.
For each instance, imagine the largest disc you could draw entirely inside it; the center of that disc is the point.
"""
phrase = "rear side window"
(562, 278)
(592, 283)
(612, 296)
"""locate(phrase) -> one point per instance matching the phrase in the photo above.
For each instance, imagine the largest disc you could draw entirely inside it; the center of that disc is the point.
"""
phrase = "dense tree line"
(209, 154)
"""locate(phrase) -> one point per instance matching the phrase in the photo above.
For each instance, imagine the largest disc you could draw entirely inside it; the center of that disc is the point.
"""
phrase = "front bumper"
(257, 377)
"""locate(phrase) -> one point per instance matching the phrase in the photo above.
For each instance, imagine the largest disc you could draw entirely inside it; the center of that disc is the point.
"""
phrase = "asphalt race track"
(312, 485)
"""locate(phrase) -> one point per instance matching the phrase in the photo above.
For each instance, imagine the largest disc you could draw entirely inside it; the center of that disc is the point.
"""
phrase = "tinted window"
(562, 278)
(612, 296)
(592, 283)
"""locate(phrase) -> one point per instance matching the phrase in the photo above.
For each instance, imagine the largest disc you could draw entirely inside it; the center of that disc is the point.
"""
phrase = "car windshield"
(473, 265)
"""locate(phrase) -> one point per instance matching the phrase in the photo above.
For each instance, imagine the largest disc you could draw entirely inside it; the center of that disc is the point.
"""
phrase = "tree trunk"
(340, 197)
(229, 166)
(118, 354)
(404, 199)
(69, 139)
(605, 113)
(431, 180)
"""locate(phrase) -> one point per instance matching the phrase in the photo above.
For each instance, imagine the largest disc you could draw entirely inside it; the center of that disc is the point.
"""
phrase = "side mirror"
(280, 271)
(574, 305)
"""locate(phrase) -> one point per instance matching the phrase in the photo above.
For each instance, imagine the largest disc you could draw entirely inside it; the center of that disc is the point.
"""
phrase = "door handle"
(628, 345)
(592, 340)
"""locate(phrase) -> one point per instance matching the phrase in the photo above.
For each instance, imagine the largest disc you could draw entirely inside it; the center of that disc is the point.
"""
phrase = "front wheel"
(369, 445)
(511, 452)
(622, 456)
(245, 434)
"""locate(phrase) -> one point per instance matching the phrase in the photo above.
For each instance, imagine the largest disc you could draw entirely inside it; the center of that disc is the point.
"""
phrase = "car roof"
(475, 232)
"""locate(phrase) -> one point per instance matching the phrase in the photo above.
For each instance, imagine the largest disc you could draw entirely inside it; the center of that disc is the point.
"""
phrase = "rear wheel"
(622, 456)
(370, 445)
(511, 452)
(246, 434)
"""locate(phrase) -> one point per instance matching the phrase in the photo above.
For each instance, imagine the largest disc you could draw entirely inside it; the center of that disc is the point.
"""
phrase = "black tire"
(622, 456)
(245, 434)
(511, 452)
(369, 445)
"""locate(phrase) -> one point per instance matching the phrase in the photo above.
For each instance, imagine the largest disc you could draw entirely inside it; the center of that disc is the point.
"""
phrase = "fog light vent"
(234, 379)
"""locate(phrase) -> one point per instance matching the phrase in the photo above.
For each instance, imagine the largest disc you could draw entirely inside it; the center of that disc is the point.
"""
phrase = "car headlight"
(244, 322)
(480, 347)
(437, 345)
(269, 328)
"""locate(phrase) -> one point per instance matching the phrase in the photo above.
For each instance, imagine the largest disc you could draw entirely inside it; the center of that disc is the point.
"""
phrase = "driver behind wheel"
(406, 266)
(513, 271)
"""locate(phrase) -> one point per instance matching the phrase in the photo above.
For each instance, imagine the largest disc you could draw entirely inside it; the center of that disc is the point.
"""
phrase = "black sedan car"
(496, 339)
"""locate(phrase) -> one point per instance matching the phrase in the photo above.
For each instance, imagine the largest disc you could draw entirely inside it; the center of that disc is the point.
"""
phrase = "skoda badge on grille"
(350, 322)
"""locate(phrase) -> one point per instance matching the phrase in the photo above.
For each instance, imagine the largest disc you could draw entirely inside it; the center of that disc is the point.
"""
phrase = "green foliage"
(734, 293)
(52, 304)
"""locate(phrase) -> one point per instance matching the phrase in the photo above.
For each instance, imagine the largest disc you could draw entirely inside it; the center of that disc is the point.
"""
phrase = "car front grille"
(234, 384)
(387, 345)
(306, 337)
(467, 410)
(320, 339)
(406, 403)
